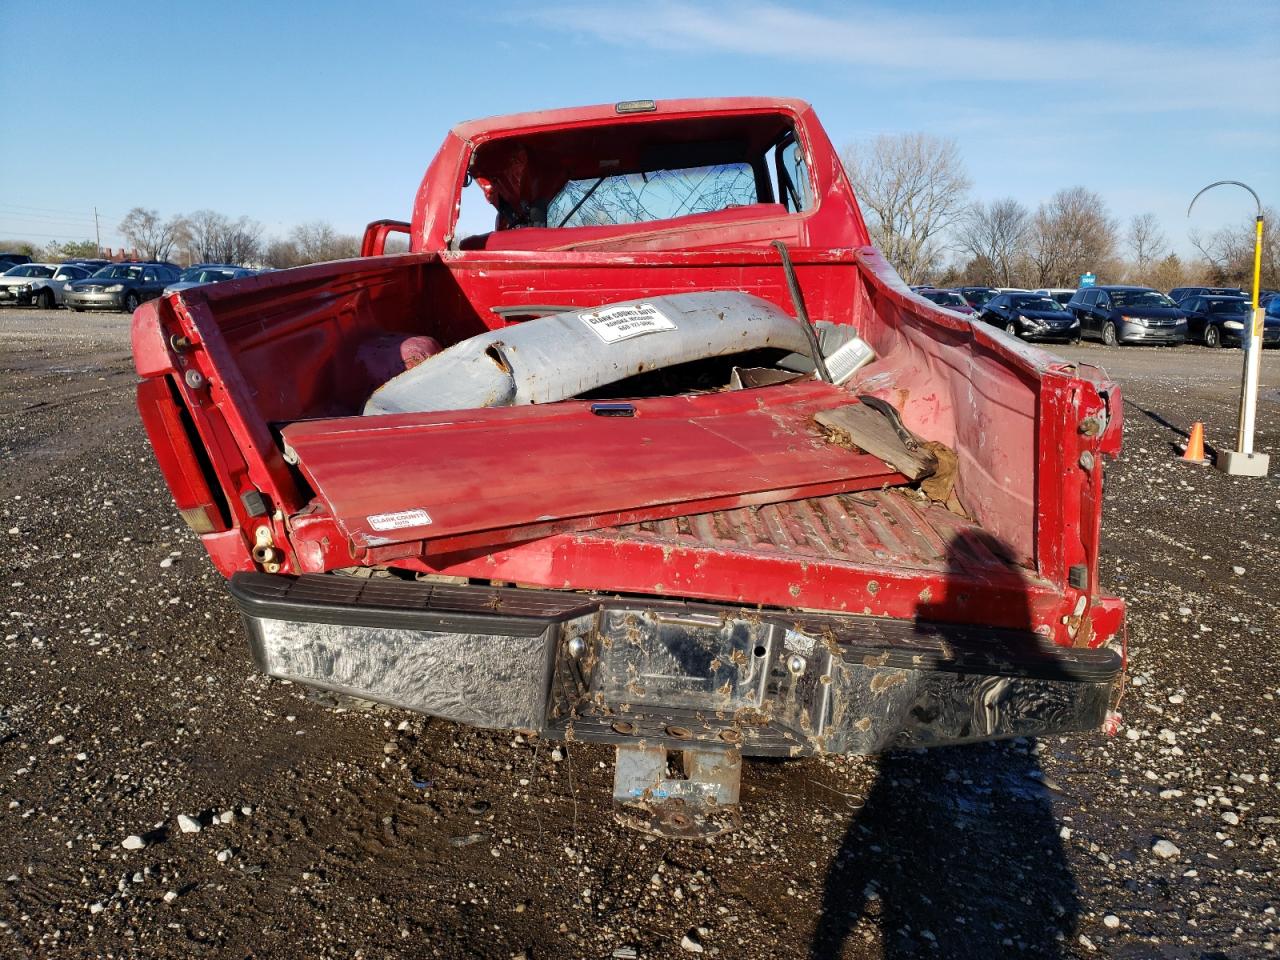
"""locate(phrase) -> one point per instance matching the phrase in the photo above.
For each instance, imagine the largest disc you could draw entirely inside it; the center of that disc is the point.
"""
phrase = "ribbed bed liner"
(872, 528)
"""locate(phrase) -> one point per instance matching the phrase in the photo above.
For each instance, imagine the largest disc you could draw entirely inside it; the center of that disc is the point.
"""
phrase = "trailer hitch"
(678, 794)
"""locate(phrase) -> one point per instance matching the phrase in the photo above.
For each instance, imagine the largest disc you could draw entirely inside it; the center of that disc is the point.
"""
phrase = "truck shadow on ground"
(956, 852)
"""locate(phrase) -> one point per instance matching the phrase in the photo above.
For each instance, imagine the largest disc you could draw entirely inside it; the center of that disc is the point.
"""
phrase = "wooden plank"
(869, 430)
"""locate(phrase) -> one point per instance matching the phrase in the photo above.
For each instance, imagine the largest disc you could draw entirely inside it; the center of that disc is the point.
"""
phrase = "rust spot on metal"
(926, 595)
(883, 681)
(873, 587)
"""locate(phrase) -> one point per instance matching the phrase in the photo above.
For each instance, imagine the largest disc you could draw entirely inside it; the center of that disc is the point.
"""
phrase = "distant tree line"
(914, 193)
(207, 236)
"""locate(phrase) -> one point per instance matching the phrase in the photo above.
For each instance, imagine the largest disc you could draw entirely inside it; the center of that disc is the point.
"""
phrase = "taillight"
(190, 478)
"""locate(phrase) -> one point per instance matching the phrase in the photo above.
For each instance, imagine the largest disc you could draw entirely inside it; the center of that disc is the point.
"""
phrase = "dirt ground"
(127, 698)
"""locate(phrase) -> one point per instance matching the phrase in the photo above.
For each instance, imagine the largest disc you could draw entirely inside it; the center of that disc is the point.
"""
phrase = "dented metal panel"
(566, 354)
(483, 679)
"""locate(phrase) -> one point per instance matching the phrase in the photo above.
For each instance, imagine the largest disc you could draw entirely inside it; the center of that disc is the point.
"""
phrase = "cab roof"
(599, 113)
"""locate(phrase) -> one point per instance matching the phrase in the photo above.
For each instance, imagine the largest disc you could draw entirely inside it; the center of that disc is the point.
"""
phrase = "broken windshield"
(652, 195)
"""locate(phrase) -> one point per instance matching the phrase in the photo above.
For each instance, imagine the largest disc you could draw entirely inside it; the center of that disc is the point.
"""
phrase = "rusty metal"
(682, 794)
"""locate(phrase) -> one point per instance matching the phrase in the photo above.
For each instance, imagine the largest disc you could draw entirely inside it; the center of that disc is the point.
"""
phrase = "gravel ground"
(158, 798)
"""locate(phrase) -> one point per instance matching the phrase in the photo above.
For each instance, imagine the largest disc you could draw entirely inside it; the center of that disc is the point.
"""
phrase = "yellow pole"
(1243, 461)
(1257, 276)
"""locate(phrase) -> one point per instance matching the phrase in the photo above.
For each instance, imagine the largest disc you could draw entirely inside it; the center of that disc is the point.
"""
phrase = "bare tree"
(317, 241)
(156, 238)
(214, 238)
(914, 186)
(310, 243)
(1228, 253)
(993, 235)
(1146, 242)
(1070, 235)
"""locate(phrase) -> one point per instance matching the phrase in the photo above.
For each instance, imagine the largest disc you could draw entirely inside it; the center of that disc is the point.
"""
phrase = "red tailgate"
(469, 478)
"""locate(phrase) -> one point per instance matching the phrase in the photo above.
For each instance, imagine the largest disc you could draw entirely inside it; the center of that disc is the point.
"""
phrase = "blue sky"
(332, 111)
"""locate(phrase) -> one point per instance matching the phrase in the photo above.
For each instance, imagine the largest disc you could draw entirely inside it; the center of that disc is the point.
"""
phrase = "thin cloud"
(1126, 75)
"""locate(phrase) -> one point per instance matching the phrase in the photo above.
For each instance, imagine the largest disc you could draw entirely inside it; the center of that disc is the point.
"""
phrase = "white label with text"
(630, 320)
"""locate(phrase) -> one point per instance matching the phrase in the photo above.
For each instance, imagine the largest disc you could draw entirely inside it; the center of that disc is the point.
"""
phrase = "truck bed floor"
(875, 528)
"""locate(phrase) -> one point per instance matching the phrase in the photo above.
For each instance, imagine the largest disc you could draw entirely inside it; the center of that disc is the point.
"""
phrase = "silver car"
(40, 284)
(203, 273)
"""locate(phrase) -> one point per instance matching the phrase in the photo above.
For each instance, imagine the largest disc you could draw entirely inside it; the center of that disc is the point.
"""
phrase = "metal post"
(1244, 461)
(1253, 361)
(97, 232)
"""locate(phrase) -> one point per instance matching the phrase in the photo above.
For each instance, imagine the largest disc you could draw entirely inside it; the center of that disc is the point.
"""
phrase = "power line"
(23, 206)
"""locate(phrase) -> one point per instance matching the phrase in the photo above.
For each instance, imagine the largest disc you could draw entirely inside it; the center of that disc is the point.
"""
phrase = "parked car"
(39, 284)
(976, 296)
(1271, 323)
(1127, 314)
(1031, 316)
(1266, 296)
(946, 298)
(203, 273)
(92, 264)
(680, 572)
(9, 260)
(1061, 294)
(1178, 294)
(121, 286)
(1219, 321)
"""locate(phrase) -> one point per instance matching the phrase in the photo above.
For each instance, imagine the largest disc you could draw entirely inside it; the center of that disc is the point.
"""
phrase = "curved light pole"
(1243, 460)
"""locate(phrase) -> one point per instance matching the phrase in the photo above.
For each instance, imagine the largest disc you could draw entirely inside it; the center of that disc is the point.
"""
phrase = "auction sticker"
(624, 322)
(398, 521)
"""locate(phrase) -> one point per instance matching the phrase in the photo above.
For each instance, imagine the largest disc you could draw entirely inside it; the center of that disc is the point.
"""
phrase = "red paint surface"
(487, 477)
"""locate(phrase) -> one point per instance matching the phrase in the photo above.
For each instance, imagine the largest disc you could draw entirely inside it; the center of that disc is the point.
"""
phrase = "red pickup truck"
(581, 474)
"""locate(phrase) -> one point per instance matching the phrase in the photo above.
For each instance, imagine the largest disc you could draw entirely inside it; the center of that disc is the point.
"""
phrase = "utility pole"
(1244, 461)
(97, 232)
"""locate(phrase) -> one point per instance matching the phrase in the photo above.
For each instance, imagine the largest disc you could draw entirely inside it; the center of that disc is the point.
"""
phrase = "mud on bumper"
(656, 677)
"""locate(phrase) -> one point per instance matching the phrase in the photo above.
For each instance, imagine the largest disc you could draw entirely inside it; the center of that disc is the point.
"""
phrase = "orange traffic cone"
(1195, 445)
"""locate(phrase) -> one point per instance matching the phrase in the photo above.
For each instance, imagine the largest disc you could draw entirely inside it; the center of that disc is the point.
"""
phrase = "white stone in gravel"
(247, 811)
(1176, 698)
(1168, 736)
(1111, 921)
(14, 531)
(188, 824)
(133, 842)
(1238, 571)
(1184, 611)
(1132, 733)
(170, 896)
(690, 945)
(166, 563)
(1087, 943)
(96, 908)
(227, 816)
(54, 741)
(1065, 833)
(1165, 849)
(1231, 818)
(224, 856)
(557, 754)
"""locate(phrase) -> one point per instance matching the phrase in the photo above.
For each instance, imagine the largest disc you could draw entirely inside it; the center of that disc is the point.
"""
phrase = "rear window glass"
(653, 195)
